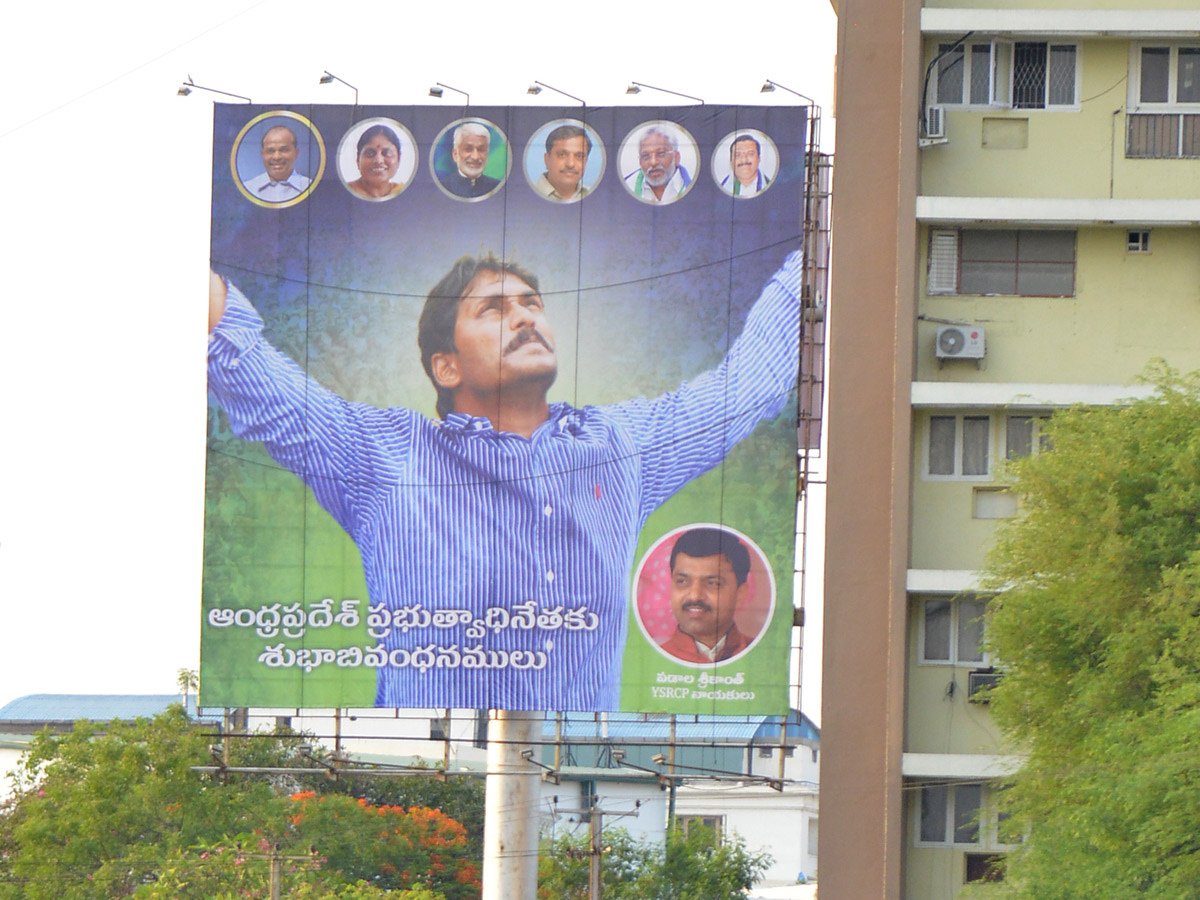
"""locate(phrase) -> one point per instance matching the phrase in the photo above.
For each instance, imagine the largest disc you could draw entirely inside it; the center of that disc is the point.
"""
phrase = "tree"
(188, 680)
(1097, 628)
(692, 866)
(106, 811)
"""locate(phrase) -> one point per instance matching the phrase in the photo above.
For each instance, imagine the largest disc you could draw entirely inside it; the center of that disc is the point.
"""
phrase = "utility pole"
(510, 824)
(276, 858)
(594, 867)
(597, 849)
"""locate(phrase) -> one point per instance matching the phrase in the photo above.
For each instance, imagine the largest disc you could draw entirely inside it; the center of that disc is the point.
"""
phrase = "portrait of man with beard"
(661, 177)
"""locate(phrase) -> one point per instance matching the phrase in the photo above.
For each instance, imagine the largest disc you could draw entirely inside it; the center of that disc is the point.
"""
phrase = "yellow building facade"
(1016, 230)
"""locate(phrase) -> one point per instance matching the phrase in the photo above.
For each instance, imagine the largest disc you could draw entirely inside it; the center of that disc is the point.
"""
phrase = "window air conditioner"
(979, 682)
(935, 121)
(960, 342)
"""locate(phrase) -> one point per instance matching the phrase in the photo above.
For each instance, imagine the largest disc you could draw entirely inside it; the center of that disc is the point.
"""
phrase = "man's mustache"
(524, 336)
(701, 604)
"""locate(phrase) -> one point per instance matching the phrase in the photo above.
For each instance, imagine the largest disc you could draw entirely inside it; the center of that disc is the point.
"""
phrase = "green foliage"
(116, 811)
(695, 866)
(223, 872)
(1098, 631)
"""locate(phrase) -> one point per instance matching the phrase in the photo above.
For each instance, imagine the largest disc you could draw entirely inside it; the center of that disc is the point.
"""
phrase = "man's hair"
(476, 128)
(741, 138)
(263, 142)
(700, 542)
(435, 329)
(672, 139)
(565, 133)
(375, 131)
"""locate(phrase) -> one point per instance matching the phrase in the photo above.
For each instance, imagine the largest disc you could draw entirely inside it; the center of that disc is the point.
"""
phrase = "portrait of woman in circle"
(379, 164)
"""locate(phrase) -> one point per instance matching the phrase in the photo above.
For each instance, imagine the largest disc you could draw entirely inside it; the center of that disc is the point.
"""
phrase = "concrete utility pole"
(276, 858)
(510, 822)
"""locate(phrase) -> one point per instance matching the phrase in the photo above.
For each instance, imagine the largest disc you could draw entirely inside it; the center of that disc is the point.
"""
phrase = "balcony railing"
(1162, 136)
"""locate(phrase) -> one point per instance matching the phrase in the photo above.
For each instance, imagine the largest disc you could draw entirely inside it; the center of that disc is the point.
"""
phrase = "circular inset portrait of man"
(704, 594)
(470, 159)
(278, 159)
(658, 162)
(745, 163)
(564, 161)
(377, 159)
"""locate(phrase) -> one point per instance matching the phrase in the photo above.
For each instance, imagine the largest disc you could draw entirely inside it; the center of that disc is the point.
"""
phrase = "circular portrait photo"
(377, 159)
(745, 163)
(705, 594)
(470, 159)
(658, 162)
(564, 161)
(278, 158)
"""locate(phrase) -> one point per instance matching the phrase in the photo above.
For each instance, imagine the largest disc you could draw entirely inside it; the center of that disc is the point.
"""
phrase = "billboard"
(502, 407)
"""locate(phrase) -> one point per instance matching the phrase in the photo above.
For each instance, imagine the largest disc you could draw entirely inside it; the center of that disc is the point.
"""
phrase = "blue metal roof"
(657, 727)
(35, 708)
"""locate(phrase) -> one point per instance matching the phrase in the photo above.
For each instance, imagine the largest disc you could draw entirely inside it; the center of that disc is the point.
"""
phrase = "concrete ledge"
(1116, 23)
(958, 765)
(1058, 211)
(1010, 395)
(941, 581)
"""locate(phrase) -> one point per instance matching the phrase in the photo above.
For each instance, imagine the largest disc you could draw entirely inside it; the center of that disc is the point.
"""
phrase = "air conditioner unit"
(979, 682)
(935, 121)
(960, 342)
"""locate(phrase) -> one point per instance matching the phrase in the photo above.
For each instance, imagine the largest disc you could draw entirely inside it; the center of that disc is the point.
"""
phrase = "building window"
(959, 446)
(715, 824)
(1024, 436)
(812, 836)
(962, 814)
(964, 74)
(1164, 97)
(986, 867)
(1021, 75)
(1024, 263)
(952, 631)
(1138, 242)
(1167, 75)
(950, 814)
(439, 728)
(1043, 75)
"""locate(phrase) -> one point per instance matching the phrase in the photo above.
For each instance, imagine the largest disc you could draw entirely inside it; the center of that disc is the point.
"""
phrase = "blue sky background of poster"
(101, 487)
(650, 286)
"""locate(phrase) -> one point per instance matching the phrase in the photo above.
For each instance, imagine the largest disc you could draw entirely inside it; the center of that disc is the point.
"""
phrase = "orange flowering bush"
(387, 846)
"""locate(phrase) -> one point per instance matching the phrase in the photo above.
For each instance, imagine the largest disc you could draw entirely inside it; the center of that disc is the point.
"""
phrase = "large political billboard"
(502, 407)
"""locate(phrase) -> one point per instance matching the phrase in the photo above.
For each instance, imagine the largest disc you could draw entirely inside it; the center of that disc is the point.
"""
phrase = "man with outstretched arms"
(520, 514)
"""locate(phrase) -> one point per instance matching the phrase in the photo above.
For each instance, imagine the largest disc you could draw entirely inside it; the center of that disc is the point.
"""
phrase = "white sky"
(106, 230)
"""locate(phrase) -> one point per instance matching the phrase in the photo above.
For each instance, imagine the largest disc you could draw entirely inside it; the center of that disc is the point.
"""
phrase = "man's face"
(565, 164)
(501, 337)
(704, 596)
(657, 159)
(471, 153)
(279, 153)
(744, 159)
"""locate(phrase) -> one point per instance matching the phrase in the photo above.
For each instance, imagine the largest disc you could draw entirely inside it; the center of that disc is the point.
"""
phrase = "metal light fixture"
(330, 78)
(769, 86)
(439, 88)
(635, 87)
(188, 86)
(536, 88)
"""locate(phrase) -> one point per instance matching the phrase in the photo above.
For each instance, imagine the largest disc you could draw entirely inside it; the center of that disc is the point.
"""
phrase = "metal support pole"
(510, 824)
(597, 851)
(671, 772)
(276, 873)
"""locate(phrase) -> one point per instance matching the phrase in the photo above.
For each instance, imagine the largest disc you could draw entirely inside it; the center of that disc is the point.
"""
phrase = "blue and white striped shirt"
(457, 516)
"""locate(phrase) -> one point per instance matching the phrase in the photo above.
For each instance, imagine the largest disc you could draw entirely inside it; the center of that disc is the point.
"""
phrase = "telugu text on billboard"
(502, 407)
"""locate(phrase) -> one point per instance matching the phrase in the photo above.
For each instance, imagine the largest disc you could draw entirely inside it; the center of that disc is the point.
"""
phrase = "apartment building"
(1017, 229)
